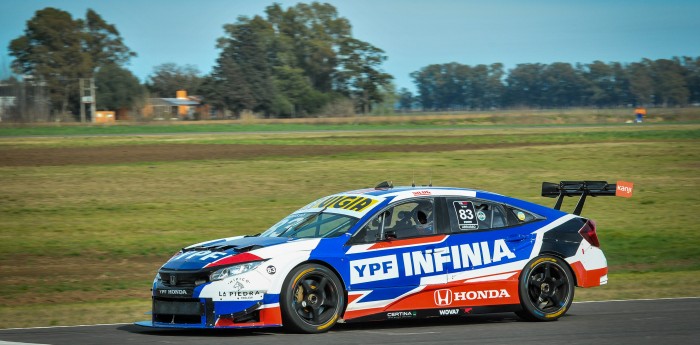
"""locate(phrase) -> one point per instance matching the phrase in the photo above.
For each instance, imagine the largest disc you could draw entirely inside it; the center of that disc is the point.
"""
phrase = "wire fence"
(24, 101)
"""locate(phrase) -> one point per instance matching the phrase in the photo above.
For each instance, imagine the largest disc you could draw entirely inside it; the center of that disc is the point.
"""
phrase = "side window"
(517, 216)
(326, 225)
(468, 214)
(372, 230)
(412, 218)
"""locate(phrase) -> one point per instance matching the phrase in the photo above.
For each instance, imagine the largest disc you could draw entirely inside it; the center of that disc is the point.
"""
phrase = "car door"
(487, 249)
(394, 249)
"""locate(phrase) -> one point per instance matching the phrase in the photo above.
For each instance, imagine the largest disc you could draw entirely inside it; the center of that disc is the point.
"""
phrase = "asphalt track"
(660, 321)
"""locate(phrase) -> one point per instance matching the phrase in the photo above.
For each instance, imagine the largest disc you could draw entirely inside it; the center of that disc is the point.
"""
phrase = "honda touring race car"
(390, 253)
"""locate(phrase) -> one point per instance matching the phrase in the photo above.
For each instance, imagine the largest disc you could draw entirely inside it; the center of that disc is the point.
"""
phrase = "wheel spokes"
(329, 301)
(302, 310)
(555, 300)
(315, 296)
(547, 273)
(308, 288)
(557, 282)
(315, 314)
(545, 287)
(322, 284)
(534, 279)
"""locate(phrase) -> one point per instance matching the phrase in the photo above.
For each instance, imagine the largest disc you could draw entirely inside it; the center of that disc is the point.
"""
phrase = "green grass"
(118, 129)
(96, 234)
(136, 209)
(420, 121)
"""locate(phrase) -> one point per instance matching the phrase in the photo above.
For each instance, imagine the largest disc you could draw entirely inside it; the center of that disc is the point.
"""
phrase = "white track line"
(639, 299)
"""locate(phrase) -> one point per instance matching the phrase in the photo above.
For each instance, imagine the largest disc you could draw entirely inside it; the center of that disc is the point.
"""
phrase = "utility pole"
(93, 104)
(81, 87)
(87, 95)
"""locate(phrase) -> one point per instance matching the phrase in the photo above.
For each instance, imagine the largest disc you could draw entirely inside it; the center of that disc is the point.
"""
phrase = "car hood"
(222, 252)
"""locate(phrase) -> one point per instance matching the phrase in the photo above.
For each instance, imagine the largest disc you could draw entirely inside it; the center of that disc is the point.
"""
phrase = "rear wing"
(584, 189)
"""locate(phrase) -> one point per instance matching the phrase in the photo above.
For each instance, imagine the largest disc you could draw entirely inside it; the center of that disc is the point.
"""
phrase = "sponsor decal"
(446, 312)
(204, 255)
(466, 215)
(238, 283)
(624, 189)
(541, 260)
(421, 193)
(521, 216)
(429, 261)
(237, 290)
(271, 269)
(348, 202)
(445, 297)
(462, 256)
(243, 295)
(401, 315)
(481, 216)
(173, 292)
(442, 297)
(372, 269)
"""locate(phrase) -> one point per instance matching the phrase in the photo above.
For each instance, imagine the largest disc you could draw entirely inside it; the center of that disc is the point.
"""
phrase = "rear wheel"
(546, 289)
(312, 299)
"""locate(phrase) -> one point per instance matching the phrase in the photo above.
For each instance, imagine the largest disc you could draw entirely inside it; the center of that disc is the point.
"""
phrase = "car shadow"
(341, 327)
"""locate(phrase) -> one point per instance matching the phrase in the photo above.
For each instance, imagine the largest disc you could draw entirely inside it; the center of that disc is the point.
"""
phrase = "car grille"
(183, 279)
(177, 311)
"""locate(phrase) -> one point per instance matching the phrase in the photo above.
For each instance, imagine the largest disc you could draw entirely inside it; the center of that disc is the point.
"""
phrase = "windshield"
(311, 225)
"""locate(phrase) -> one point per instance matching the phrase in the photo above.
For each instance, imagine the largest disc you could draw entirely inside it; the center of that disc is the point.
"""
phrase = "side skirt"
(438, 312)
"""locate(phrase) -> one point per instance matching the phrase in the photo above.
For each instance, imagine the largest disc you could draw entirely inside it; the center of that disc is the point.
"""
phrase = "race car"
(390, 253)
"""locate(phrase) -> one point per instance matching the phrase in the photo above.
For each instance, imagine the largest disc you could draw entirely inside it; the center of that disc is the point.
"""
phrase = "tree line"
(662, 82)
(297, 61)
(303, 61)
(57, 50)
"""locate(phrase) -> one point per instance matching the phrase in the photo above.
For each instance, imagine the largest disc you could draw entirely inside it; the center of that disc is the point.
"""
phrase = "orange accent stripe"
(587, 278)
(268, 317)
(408, 242)
(425, 298)
(492, 275)
(353, 298)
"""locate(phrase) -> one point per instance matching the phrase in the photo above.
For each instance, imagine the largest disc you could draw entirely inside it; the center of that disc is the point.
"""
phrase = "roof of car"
(385, 192)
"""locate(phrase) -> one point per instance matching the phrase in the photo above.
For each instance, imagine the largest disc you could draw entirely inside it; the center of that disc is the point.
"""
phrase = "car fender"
(278, 267)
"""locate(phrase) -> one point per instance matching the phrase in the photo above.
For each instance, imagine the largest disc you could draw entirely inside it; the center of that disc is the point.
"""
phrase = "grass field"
(422, 121)
(81, 242)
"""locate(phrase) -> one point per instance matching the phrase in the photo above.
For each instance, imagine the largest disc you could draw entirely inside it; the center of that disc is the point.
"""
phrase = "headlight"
(157, 277)
(234, 270)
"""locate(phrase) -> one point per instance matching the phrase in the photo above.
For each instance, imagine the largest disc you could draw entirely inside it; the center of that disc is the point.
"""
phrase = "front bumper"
(206, 313)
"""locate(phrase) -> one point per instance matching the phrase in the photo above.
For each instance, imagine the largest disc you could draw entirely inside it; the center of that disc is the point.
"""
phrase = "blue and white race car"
(390, 253)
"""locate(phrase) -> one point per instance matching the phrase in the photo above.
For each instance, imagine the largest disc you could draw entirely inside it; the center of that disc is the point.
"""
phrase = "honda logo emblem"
(443, 297)
(173, 279)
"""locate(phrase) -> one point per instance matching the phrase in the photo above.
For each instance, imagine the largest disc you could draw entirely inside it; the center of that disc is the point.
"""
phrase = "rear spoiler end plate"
(584, 189)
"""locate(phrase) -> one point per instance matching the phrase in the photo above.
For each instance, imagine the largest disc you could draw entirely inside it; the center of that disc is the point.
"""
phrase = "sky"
(413, 33)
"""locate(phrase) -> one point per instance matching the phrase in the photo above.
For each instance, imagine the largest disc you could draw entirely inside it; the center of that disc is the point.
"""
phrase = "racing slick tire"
(312, 299)
(546, 289)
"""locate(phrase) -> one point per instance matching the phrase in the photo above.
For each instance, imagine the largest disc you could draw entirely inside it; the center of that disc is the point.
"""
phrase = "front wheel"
(546, 289)
(312, 299)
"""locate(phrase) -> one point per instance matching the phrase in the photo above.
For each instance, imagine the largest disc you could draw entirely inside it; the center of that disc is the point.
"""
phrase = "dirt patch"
(175, 152)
